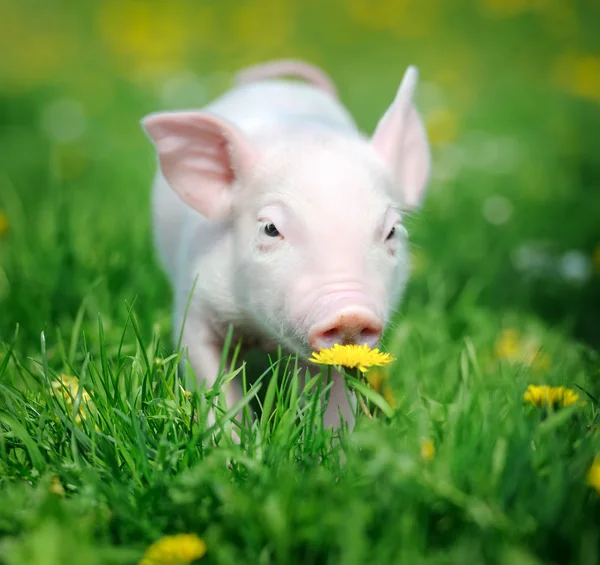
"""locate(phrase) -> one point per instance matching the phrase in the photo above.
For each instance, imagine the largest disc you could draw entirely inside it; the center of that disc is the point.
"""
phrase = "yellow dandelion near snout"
(360, 356)
(180, 549)
(550, 395)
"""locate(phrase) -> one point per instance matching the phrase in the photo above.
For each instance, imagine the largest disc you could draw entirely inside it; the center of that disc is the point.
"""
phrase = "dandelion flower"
(427, 450)
(593, 475)
(596, 258)
(508, 346)
(512, 348)
(3, 223)
(359, 356)
(551, 395)
(56, 486)
(68, 387)
(180, 549)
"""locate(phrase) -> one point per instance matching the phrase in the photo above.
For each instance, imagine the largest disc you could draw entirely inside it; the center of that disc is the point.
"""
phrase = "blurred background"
(510, 92)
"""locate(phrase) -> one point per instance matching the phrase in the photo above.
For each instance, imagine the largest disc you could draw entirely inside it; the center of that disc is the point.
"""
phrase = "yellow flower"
(262, 24)
(507, 346)
(3, 223)
(552, 395)
(56, 487)
(68, 387)
(360, 356)
(179, 549)
(579, 74)
(596, 258)
(510, 347)
(149, 40)
(427, 450)
(593, 476)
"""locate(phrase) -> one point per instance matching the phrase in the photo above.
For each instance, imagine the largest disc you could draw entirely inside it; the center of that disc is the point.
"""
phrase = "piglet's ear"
(401, 141)
(200, 157)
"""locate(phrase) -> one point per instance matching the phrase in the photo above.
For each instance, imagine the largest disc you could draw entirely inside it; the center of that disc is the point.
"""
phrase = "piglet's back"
(264, 107)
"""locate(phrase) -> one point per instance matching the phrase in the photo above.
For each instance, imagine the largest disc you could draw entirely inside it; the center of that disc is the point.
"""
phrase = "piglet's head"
(320, 250)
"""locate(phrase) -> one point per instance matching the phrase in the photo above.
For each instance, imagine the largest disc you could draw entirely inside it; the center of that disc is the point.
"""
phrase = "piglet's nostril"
(331, 333)
(367, 335)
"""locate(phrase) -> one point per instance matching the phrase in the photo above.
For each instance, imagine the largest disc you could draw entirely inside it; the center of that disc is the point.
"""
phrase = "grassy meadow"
(103, 450)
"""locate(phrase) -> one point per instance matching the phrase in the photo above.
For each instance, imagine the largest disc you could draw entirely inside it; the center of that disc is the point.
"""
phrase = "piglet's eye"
(391, 234)
(271, 230)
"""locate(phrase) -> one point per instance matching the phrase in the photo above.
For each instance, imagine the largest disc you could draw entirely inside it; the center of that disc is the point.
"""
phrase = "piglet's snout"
(352, 325)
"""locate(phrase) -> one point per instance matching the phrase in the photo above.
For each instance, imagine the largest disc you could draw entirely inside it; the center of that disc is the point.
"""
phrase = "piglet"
(288, 217)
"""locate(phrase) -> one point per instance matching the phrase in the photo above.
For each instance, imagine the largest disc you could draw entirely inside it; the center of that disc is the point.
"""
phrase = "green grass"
(506, 484)
(81, 294)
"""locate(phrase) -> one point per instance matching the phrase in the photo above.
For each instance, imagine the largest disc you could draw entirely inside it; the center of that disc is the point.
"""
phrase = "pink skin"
(288, 217)
(350, 325)
(339, 266)
(288, 67)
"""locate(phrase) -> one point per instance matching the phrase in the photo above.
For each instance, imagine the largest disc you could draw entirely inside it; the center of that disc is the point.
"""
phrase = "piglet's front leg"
(204, 351)
(342, 402)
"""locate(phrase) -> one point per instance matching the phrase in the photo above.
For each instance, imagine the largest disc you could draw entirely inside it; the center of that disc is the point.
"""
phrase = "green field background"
(505, 292)
(510, 92)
